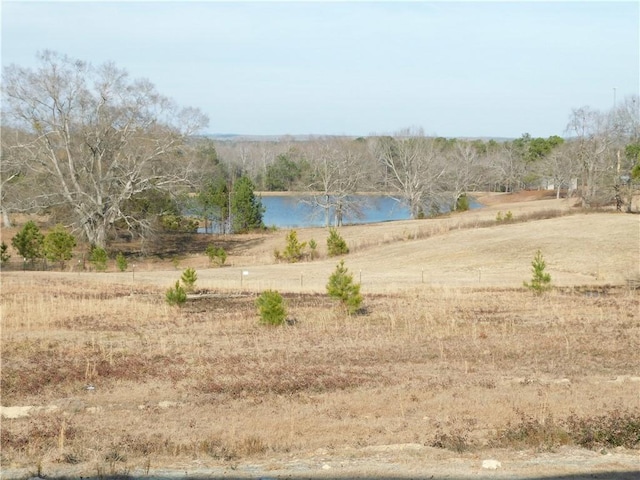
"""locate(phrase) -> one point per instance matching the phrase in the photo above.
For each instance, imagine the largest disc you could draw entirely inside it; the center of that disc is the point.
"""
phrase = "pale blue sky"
(456, 69)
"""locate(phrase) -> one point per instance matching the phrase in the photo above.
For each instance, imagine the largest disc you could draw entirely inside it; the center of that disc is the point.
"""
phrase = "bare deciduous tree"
(414, 168)
(338, 173)
(593, 141)
(94, 139)
(561, 167)
(465, 171)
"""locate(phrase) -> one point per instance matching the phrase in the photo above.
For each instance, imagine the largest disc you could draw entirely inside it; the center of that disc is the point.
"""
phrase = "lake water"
(284, 211)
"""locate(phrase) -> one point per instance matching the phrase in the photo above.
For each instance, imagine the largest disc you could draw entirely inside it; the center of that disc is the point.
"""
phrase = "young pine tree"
(4, 254)
(294, 251)
(342, 287)
(121, 262)
(271, 308)
(246, 208)
(189, 278)
(336, 244)
(28, 241)
(176, 295)
(540, 280)
(98, 258)
(58, 245)
(216, 255)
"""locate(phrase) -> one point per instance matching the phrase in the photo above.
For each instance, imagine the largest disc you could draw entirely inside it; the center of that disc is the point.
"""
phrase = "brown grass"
(453, 362)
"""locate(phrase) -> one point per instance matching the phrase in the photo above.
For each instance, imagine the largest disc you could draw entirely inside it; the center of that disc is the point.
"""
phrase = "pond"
(295, 211)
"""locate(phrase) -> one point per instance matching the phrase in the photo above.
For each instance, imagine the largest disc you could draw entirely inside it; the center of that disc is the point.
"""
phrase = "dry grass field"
(450, 362)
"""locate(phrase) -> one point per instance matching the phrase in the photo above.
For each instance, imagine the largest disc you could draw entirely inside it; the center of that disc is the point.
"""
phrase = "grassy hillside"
(450, 354)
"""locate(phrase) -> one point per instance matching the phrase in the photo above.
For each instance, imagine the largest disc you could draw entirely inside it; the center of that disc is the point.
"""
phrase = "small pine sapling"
(217, 255)
(4, 255)
(462, 203)
(271, 308)
(121, 262)
(294, 251)
(540, 280)
(28, 242)
(189, 278)
(336, 244)
(98, 258)
(58, 245)
(313, 246)
(342, 287)
(176, 295)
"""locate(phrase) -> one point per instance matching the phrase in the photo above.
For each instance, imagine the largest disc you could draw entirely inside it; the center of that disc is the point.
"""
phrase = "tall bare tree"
(465, 170)
(414, 168)
(11, 175)
(337, 172)
(593, 139)
(561, 167)
(94, 139)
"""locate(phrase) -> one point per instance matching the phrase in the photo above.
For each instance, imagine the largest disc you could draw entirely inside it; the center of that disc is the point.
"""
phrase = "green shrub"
(342, 287)
(540, 280)
(177, 223)
(4, 256)
(28, 242)
(189, 278)
(217, 255)
(294, 251)
(271, 308)
(336, 244)
(462, 203)
(98, 258)
(121, 262)
(176, 295)
(507, 217)
(58, 245)
(313, 246)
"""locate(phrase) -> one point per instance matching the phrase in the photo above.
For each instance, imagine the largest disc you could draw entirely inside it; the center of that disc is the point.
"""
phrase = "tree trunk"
(6, 221)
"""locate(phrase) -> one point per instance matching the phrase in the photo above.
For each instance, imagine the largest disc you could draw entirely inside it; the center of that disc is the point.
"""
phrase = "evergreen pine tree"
(540, 280)
(58, 245)
(342, 287)
(271, 308)
(29, 241)
(336, 244)
(246, 208)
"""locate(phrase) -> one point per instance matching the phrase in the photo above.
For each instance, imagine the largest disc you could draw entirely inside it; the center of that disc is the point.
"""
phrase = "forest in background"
(108, 156)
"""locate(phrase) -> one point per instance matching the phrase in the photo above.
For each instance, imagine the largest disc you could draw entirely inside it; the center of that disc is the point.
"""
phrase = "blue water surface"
(293, 211)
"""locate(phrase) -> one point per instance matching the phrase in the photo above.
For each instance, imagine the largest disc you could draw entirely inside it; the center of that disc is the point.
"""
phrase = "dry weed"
(438, 366)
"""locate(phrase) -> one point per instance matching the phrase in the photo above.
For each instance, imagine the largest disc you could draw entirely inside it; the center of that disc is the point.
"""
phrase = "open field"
(451, 362)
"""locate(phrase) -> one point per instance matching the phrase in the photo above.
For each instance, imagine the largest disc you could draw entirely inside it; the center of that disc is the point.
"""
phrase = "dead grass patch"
(459, 368)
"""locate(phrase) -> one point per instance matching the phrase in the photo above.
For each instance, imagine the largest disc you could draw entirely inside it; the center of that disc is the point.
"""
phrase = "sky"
(455, 69)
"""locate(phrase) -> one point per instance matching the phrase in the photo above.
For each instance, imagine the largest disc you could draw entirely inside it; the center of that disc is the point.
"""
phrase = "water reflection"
(298, 211)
